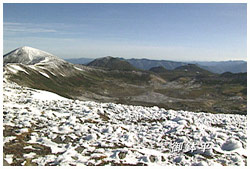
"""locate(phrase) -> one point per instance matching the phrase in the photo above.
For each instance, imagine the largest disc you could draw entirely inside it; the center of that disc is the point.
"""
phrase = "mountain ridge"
(174, 89)
(112, 63)
(234, 66)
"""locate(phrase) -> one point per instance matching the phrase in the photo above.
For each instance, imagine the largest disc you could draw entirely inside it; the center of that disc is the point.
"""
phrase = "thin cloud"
(11, 23)
(29, 30)
(12, 27)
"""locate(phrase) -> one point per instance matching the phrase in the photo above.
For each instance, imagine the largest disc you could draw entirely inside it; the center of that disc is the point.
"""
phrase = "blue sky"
(181, 32)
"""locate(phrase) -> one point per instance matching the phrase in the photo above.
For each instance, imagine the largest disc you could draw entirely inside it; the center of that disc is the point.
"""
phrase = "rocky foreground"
(42, 128)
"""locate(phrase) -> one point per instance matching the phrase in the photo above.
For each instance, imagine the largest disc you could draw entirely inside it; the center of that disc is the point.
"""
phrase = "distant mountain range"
(146, 64)
(182, 86)
(236, 66)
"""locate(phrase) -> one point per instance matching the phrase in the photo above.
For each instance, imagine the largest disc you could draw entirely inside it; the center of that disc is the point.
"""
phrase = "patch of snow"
(44, 74)
(33, 67)
(29, 147)
(17, 67)
(45, 95)
(78, 68)
(8, 139)
(23, 130)
(9, 158)
(12, 70)
(62, 74)
(30, 155)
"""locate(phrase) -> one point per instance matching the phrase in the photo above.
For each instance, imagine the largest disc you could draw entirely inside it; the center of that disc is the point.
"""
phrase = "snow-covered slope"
(29, 56)
(32, 61)
(41, 128)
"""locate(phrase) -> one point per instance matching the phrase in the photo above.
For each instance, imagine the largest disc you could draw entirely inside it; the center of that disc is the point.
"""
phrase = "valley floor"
(42, 128)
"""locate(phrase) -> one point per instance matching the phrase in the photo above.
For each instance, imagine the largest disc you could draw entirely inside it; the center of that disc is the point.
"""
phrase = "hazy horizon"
(176, 32)
(136, 58)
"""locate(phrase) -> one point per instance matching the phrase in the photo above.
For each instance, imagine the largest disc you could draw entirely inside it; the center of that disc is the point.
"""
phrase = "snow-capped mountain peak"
(28, 55)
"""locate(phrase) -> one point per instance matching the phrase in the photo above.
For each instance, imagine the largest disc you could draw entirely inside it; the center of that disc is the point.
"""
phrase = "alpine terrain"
(109, 79)
(111, 113)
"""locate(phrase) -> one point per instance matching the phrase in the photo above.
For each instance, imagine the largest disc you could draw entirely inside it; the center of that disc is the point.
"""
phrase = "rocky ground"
(42, 128)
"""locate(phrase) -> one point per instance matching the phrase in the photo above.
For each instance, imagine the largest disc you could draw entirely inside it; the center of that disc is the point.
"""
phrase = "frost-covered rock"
(231, 144)
(51, 130)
